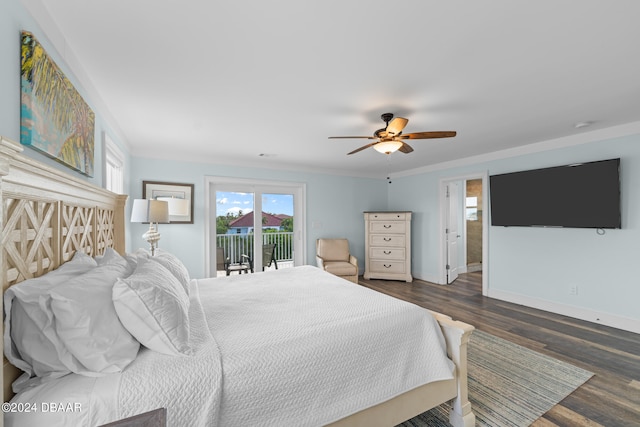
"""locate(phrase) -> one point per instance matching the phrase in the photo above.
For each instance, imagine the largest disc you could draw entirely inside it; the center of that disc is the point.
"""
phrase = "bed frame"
(48, 215)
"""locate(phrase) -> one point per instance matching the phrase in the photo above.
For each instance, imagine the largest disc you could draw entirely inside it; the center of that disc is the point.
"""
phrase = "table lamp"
(151, 211)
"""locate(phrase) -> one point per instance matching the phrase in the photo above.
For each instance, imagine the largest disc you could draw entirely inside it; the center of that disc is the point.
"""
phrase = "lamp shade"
(387, 147)
(179, 207)
(150, 211)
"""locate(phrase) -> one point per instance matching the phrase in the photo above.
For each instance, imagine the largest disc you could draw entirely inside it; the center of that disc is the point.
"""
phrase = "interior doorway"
(473, 214)
(464, 227)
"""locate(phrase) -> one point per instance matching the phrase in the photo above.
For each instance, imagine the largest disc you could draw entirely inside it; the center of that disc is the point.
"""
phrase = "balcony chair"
(332, 255)
(268, 257)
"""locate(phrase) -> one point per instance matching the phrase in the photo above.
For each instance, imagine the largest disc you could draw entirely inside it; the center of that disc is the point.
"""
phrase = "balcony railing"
(236, 245)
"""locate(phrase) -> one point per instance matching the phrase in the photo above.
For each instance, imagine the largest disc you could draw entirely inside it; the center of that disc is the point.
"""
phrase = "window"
(471, 208)
(113, 167)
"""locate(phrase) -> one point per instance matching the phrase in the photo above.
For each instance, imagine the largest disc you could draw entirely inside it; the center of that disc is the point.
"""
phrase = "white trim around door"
(444, 211)
(216, 183)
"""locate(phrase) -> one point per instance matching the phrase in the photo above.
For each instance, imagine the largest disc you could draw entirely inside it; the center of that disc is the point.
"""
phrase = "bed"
(237, 327)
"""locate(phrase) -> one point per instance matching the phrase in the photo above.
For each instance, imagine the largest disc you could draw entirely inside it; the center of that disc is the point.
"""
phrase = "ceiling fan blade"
(363, 147)
(405, 148)
(428, 135)
(396, 125)
(342, 137)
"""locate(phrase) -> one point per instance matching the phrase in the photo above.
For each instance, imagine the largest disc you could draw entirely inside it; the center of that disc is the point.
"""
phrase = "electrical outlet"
(573, 290)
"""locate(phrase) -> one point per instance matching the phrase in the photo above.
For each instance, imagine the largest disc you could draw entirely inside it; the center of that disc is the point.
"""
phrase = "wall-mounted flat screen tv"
(581, 195)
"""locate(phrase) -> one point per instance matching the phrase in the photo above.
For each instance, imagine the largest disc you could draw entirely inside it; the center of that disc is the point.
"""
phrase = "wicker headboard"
(46, 217)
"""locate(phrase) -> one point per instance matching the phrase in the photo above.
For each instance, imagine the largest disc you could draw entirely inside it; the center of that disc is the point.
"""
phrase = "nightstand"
(155, 418)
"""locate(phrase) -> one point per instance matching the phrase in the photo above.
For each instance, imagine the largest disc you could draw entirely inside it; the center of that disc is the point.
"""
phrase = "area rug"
(509, 385)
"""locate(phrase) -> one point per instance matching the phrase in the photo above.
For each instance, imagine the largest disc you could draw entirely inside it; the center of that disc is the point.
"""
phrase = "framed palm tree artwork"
(54, 118)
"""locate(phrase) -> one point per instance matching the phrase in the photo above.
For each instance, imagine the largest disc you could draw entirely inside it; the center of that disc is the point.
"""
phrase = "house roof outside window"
(246, 221)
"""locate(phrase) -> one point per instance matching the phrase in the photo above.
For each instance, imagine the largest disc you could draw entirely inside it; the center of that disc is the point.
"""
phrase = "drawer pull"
(387, 265)
(387, 239)
(386, 226)
(387, 252)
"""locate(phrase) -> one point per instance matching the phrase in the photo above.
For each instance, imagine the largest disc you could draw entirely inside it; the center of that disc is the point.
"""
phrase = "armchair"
(332, 255)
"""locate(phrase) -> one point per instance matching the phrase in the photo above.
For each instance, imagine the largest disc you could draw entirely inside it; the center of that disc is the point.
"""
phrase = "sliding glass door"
(272, 239)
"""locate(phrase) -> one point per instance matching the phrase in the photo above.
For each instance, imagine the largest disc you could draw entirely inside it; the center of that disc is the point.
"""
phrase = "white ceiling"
(229, 81)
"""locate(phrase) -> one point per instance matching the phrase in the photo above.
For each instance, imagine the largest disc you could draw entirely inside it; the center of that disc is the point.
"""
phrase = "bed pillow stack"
(90, 316)
(65, 321)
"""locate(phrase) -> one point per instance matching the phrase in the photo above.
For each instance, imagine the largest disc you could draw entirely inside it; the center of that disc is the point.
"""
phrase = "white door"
(451, 231)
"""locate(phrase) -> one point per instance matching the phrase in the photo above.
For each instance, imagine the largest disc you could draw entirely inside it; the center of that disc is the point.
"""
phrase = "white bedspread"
(302, 347)
(293, 347)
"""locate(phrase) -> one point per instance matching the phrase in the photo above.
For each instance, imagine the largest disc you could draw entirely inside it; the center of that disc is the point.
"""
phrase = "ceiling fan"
(390, 138)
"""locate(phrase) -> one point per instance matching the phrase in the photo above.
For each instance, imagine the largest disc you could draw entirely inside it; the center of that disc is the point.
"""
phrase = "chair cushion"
(333, 249)
(340, 268)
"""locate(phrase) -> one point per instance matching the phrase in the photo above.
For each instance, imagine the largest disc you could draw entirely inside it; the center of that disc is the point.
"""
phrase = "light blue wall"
(335, 202)
(537, 263)
(13, 19)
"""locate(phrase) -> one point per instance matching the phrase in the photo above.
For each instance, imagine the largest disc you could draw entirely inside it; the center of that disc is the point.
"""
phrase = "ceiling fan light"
(387, 147)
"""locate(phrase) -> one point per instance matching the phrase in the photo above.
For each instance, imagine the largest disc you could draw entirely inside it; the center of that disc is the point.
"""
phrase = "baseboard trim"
(607, 319)
(427, 278)
(474, 267)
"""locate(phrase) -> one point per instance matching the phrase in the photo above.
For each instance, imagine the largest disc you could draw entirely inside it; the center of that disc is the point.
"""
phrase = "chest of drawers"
(388, 245)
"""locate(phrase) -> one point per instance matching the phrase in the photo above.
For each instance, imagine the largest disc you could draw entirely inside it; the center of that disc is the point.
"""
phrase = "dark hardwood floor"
(610, 398)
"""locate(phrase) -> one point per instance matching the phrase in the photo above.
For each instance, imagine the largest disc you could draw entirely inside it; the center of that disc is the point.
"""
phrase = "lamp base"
(152, 236)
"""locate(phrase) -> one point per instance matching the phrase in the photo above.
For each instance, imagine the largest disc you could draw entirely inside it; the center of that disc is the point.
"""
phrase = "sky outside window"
(234, 202)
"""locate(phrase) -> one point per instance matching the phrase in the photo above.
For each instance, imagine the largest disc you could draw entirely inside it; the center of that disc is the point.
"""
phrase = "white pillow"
(110, 256)
(173, 264)
(25, 344)
(153, 306)
(86, 321)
